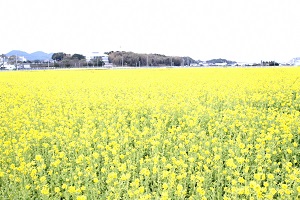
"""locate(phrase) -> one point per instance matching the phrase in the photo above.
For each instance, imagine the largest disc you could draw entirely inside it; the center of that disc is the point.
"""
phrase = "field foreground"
(150, 134)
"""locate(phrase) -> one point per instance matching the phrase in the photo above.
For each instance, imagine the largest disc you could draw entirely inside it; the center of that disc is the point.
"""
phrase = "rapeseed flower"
(160, 134)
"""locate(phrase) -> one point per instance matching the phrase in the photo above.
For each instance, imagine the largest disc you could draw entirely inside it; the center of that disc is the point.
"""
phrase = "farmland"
(218, 133)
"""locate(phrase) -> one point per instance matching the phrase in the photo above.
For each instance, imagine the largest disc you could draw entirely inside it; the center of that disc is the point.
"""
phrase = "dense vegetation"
(183, 133)
(220, 60)
(120, 58)
(76, 60)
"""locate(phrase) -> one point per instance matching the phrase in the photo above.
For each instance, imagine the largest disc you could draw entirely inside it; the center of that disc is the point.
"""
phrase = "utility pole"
(122, 55)
(16, 63)
(147, 61)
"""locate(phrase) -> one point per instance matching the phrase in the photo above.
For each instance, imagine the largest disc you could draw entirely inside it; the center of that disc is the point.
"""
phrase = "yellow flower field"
(221, 133)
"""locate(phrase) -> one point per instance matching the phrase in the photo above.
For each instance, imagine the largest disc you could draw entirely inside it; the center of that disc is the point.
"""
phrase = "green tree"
(58, 56)
(78, 56)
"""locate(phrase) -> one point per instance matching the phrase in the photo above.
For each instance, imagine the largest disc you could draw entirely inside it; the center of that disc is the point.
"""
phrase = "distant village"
(13, 61)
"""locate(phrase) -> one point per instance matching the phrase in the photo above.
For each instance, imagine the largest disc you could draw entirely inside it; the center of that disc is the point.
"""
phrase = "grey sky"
(203, 29)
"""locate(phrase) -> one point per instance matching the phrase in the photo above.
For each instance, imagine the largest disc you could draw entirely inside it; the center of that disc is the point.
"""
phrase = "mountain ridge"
(37, 55)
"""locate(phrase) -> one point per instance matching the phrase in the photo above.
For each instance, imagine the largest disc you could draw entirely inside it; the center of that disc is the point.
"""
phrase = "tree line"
(123, 58)
(269, 63)
(62, 59)
(220, 60)
(117, 58)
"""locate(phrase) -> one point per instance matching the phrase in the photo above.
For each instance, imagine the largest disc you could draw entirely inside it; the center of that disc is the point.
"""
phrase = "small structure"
(194, 64)
(102, 57)
(106, 61)
(295, 61)
(21, 58)
(221, 64)
(10, 67)
(93, 55)
(27, 66)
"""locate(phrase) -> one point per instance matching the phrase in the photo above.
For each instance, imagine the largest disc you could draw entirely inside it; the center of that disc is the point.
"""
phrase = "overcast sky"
(240, 30)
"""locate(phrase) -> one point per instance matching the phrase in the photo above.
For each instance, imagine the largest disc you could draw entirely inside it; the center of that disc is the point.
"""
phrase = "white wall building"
(22, 59)
(221, 64)
(9, 67)
(95, 55)
(295, 61)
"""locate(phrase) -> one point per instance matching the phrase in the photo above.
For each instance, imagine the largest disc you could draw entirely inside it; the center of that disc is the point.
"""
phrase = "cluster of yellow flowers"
(221, 133)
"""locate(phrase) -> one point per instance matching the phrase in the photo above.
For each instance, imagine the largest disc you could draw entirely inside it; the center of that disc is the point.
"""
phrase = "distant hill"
(38, 55)
(220, 60)
(17, 52)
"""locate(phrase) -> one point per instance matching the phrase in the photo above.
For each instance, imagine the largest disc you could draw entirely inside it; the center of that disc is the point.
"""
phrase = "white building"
(95, 55)
(21, 58)
(194, 64)
(9, 67)
(105, 60)
(92, 55)
(27, 66)
(221, 64)
(295, 61)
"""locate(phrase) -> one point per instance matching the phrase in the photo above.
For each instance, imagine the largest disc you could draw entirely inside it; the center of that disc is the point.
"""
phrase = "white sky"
(240, 30)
